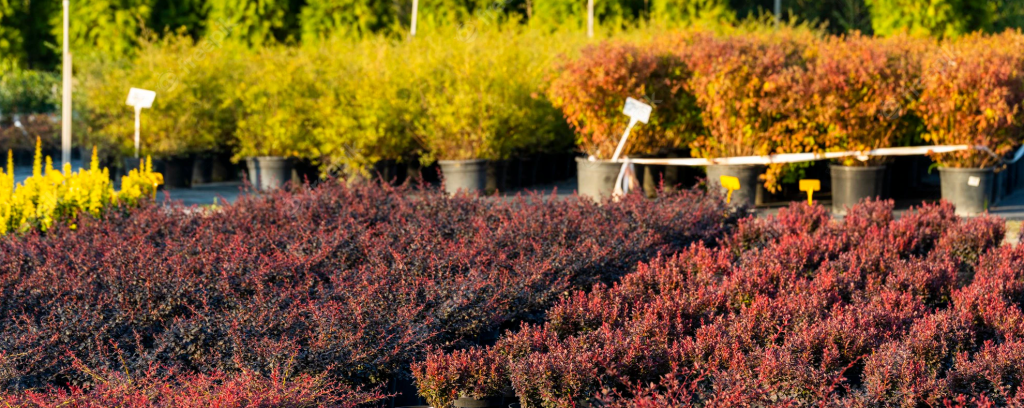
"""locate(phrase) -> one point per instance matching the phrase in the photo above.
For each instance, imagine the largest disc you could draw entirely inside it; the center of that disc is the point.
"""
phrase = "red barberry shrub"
(793, 309)
(475, 372)
(351, 283)
(151, 389)
(996, 371)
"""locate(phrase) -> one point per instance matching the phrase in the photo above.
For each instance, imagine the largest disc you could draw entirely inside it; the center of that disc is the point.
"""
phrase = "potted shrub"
(471, 378)
(591, 92)
(369, 84)
(740, 83)
(275, 129)
(856, 95)
(478, 101)
(191, 114)
(973, 90)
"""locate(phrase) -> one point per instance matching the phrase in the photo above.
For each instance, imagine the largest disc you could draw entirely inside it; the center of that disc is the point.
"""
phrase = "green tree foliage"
(255, 22)
(10, 36)
(1008, 14)
(173, 15)
(111, 27)
(322, 18)
(37, 35)
(687, 11)
(555, 13)
(941, 18)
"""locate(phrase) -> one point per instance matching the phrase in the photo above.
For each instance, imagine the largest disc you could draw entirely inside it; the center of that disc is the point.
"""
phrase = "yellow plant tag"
(732, 184)
(810, 186)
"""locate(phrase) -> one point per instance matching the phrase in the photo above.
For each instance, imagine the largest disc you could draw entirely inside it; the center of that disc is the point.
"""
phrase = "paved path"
(1010, 207)
(204, 194)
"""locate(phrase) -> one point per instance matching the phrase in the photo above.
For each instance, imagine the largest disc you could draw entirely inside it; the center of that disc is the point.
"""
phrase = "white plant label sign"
(638, 110)
(140, 98)
(974, 181)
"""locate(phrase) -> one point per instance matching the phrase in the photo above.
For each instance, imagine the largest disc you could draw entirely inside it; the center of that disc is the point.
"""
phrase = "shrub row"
(493, 90)
(473, 91)
(342, 284)
(791, 91)
(28, 30)
(794, 309)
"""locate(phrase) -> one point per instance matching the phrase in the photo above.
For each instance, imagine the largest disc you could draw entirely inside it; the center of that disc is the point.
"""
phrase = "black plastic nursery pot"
(469, 176)
(304, 171)
(269, 172)
(130, 163)
(177, 171)
(749, 177)
(497, 176)
(596, 179)
(851, 184)
(202, 172)
(466, 402)
(388, 171)
(223, 169)
(971, 191)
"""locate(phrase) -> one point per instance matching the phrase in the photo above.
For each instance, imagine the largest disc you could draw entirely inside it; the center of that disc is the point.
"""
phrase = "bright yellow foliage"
(50, 195)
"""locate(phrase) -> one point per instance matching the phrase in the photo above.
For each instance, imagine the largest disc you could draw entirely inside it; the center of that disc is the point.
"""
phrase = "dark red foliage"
(245, 389)
(351, 283)
(797, 309)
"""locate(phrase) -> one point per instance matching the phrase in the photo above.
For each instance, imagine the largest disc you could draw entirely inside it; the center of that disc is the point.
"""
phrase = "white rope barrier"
(641, 112)
(627, 175)
(806, 157)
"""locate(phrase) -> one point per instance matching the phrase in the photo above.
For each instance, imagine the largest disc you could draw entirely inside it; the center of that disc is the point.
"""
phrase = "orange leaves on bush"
(857, 94)
(591, 92)
(973, 89)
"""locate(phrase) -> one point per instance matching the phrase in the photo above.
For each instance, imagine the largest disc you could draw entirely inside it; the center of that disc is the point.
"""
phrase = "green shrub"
(480, 92)
(194, 109)
(369, 83)
(278, 99)
(27, 91)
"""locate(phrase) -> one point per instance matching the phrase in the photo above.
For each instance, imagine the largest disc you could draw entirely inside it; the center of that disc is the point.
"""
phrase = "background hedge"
(30, 30)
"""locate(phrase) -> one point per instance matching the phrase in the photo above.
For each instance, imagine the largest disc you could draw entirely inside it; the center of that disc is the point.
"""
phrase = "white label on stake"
(140, 98)
(637, 110)
(974, 181)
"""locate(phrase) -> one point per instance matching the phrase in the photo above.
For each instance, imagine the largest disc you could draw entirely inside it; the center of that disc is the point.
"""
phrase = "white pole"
(590, 18)
(138, 113)
(65, 107)
(415, 7)
(622, 142)
(778, 11)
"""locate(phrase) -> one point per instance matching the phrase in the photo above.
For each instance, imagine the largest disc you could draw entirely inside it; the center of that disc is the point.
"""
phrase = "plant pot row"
(971, 191)
(487, 176)
(187, 170)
